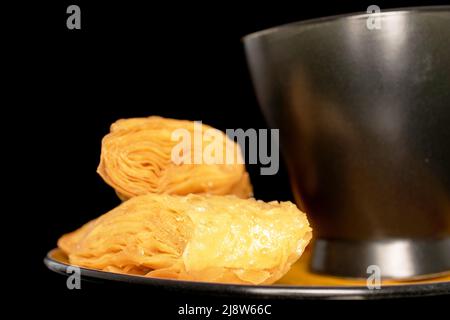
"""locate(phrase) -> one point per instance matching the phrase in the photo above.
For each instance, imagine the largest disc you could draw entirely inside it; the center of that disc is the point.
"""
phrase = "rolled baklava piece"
(196, 237)
(168, 156)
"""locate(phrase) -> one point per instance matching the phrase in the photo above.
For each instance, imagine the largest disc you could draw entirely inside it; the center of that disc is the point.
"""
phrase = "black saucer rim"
(259, 292)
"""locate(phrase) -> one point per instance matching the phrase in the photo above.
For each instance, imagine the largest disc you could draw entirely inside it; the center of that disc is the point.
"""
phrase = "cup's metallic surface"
(364, 119)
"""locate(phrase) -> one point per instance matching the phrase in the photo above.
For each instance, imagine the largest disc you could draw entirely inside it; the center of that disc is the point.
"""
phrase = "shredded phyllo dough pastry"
(136, 159)
(194, 237)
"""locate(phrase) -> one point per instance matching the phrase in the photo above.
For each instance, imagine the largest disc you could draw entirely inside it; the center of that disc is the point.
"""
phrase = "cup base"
(394, 259)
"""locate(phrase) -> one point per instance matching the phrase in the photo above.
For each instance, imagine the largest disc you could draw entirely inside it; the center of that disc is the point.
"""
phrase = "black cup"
(363, 107)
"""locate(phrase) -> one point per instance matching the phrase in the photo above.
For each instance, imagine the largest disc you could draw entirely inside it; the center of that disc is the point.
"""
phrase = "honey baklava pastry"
(168, 156)
(196, 237)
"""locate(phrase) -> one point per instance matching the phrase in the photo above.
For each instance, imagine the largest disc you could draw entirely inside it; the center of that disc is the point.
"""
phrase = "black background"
(182, 60)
